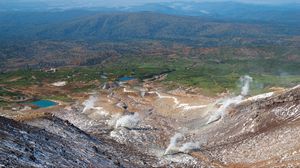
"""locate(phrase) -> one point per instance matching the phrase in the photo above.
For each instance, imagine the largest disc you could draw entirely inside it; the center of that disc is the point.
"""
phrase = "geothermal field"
(141, 124)
(150, 83)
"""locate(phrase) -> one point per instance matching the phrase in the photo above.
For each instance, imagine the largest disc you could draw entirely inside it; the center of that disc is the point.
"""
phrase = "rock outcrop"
(60, 144)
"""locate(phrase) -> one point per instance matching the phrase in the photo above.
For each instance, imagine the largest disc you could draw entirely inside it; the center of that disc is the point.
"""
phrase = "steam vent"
(149, 83)
(121, 127)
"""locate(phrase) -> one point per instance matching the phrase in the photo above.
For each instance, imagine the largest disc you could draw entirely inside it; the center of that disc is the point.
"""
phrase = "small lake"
(126, 78)
(44, 103)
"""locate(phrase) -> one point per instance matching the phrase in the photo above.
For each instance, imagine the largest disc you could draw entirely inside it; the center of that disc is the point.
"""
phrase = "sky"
(110, 3)
(134, 2)
(245, 1)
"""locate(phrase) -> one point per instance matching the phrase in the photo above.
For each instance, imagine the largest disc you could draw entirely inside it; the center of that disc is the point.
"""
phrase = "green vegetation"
(213, 76)
(3, 103)
(4, 92)
(23, 78)
(63, 98)
(84, 89)
(218, 71)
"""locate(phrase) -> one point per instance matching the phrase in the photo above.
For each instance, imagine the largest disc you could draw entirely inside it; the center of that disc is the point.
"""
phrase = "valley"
(154, 84)
(144, 116)
(171, 106)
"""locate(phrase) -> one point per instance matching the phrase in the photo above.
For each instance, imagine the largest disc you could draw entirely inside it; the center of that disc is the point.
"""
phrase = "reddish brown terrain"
(161, 83)
(259, 131)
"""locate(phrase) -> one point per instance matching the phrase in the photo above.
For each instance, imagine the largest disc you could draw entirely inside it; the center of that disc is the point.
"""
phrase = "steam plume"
(189, 146)
(185, 148)
(128, 121)
(221, 111)
(245, 82)
(113, 120)
(89, 103)
(171, 149)
(245, 85)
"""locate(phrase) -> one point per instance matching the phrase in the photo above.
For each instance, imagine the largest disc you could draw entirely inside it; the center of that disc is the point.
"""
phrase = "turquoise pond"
(126, 78)
(44, 103)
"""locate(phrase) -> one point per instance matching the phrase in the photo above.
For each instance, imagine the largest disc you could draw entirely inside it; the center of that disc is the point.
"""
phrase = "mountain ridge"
(82, 25)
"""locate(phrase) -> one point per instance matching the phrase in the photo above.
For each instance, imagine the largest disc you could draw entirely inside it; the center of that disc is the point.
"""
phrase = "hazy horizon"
(114, 3)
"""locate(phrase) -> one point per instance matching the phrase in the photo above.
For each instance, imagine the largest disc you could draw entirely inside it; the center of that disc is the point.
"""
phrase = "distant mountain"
(233, 11)
(183, 21)
(25, 25)
(47, 5)
(92, 25)
(147, 25)
(227, 11)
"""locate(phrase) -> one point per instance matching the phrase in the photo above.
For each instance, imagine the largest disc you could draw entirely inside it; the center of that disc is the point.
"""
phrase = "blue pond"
(44, 103)
(126, 78)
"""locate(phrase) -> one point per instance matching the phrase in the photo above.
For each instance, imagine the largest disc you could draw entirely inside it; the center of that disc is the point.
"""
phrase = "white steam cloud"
(221, 111)
(245, 82)
(128, 121)
(189, 147)
(89, 103)
(173, 148)
(113, 120)
(245, 87)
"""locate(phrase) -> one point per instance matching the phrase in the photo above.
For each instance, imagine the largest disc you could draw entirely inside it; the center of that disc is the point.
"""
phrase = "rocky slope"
(60, 144)
(259, 133)
(121, 127)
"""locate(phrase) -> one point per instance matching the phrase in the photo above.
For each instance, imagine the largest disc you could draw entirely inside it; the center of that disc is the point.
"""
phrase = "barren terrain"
(174, 127)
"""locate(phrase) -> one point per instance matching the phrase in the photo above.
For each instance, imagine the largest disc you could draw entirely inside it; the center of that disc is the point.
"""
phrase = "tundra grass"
(210, 75)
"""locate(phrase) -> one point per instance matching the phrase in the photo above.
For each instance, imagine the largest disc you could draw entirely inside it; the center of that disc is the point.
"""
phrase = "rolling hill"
(88, 25)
